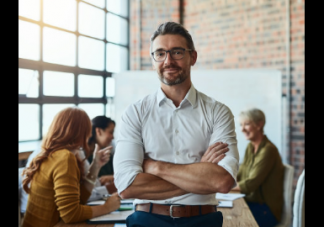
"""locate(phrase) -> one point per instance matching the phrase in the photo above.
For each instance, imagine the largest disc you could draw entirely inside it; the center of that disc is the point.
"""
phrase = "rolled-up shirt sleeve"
(129, 153)
(224, 131)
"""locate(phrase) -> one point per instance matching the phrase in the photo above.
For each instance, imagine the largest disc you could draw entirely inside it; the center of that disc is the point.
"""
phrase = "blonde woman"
(260, 176)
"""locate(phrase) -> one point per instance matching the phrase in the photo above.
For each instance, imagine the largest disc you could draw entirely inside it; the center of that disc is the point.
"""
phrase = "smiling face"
(172, 72)
(251, 130)
(105, 136)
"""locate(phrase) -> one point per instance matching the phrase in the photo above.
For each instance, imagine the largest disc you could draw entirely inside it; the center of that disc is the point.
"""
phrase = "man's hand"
(149, 166)
(215, 153)
(236, 188)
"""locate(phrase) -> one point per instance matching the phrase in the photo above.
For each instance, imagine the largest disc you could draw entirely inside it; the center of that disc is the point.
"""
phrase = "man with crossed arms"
(176, 147)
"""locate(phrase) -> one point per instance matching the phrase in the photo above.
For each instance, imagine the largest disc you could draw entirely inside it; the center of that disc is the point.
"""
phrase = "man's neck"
(176, 92)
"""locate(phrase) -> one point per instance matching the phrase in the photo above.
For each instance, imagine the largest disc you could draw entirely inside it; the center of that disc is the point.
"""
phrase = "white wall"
(238, 89)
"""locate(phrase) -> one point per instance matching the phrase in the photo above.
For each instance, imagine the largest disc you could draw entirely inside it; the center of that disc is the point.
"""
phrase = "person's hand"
(113, 202)
(106, 179)
(215, 152)
(149, 165)
(101, 157)
(236, 188)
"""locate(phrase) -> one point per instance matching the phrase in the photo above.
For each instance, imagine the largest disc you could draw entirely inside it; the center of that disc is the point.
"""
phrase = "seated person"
(56, 180)
(103, 134)
(260, 176)
(24, 195)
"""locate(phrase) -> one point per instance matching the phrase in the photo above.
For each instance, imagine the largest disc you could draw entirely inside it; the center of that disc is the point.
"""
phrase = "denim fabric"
(144, 219)
(262, 214)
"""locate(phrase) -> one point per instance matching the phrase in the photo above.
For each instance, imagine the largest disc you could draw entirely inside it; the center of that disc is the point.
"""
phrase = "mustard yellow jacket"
(56, 193)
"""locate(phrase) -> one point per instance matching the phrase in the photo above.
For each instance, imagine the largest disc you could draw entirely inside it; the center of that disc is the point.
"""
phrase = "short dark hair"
(174, 29)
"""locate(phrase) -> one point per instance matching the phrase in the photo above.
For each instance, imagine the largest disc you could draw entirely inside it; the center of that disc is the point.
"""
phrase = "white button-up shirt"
(153, 127)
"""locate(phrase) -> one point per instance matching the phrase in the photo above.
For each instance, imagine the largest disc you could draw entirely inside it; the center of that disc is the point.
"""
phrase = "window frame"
(42, 66)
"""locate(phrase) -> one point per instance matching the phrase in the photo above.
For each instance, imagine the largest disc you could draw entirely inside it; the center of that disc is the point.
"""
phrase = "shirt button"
(176, 131)
(177, 152)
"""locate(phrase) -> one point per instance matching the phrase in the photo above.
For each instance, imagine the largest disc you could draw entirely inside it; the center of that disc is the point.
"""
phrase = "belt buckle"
(171, 210)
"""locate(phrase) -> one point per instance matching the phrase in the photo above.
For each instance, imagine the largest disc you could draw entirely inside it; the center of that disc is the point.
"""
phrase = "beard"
(178, 79)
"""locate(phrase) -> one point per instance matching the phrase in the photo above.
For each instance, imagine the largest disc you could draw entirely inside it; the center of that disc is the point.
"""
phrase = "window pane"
(110, 87)
(117, 58)
(49, 112)
(99, 3)
(28, 82)
(60, 13)
(53, 85)
(59, 47)
(117, 29)
(28, 122)
(90, 16)
(29, 8)
(90, 86)
(110, 108)
(91, 53)
(118, 7)
(29, 36)
(93, 110)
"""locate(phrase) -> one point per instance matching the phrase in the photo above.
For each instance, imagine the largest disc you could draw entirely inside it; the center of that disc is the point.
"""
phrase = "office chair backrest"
(299, 202)
(286, 217)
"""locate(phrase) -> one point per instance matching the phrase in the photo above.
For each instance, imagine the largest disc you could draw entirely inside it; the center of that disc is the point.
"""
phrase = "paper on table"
(97, 193)
(120, 225)
(229, 196)
(124, 201)
(113, 216)
(125, 204)
(225, 203)
(96, 202)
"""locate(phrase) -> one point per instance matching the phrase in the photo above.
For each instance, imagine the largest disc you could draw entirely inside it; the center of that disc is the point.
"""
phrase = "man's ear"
(194, 56)
(153, 65)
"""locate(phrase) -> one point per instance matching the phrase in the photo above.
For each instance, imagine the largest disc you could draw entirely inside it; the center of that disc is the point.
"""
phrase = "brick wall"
(297, 72)
(232, 34)
(145, 17)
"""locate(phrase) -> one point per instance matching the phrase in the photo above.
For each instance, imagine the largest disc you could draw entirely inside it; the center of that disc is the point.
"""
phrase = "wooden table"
(237, 216)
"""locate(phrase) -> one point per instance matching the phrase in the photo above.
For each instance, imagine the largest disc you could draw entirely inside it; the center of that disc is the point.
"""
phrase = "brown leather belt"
(176, 211)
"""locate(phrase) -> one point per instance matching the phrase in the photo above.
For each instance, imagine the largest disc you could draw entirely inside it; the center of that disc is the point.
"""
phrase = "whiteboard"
(237, 88)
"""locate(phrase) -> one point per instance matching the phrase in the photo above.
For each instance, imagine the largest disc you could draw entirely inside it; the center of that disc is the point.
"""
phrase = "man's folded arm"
(130, 180)
(199, 178)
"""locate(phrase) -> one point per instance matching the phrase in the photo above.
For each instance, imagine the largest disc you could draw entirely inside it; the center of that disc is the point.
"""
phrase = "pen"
(106, 196)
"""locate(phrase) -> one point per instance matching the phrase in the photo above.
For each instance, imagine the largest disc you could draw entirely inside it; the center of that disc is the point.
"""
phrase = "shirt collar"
(190, 96)
(160, 96)
(262, 144)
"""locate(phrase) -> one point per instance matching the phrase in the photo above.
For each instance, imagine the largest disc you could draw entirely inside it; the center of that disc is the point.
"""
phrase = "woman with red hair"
(59, 186)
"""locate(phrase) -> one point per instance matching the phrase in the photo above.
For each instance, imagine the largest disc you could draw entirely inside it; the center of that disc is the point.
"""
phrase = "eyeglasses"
(176, 54)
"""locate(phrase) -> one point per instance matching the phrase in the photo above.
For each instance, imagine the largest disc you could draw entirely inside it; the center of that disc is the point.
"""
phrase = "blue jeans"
(262, 214)
(145, 219)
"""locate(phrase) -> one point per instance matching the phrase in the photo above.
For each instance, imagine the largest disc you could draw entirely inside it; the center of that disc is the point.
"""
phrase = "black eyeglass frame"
(166, 53)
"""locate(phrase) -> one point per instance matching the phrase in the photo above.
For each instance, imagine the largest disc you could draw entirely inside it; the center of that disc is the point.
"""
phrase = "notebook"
(113, 217)
(125, 204)
(225, 203)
